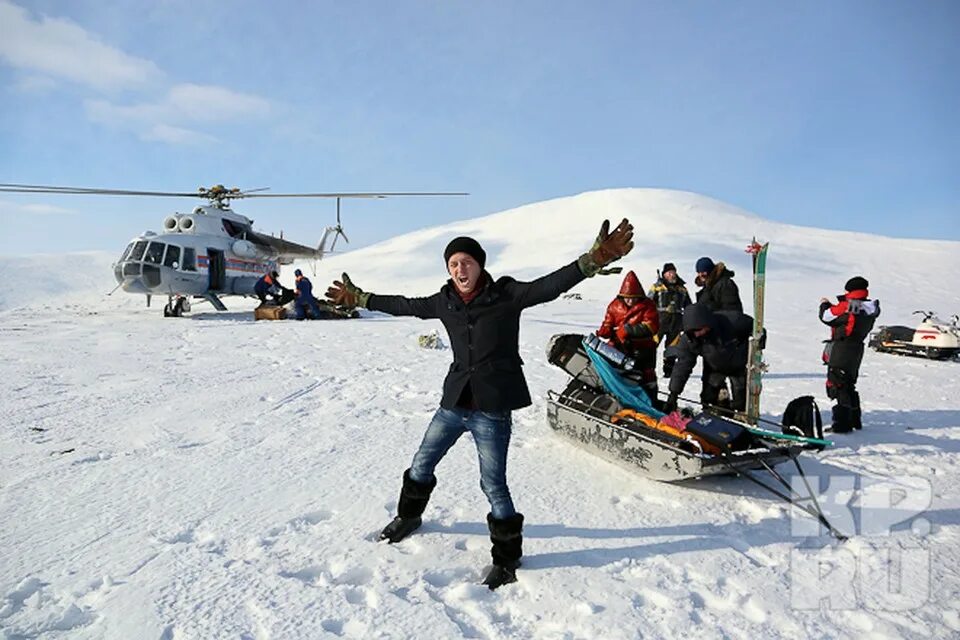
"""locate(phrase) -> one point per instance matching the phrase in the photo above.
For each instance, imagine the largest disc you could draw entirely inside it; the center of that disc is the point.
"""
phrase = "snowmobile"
(601, 411)
(933, 338)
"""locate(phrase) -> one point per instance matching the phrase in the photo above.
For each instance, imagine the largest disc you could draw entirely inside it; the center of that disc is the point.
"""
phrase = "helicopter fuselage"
(208, 251)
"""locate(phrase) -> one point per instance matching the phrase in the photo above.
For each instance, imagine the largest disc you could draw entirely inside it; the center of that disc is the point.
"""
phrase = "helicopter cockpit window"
(189, 259)
(155, 253)
(173, 256)
(126, 252)
(138, 250)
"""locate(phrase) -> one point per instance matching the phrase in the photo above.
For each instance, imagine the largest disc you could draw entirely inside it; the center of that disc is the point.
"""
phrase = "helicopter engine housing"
(186, 224)
(244, 249)
(170, 224)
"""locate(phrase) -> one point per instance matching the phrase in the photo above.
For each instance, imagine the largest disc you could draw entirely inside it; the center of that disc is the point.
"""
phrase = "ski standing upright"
(755, 364)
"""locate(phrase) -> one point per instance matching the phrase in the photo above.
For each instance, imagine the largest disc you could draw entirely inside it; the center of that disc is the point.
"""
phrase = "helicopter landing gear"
(175, 309)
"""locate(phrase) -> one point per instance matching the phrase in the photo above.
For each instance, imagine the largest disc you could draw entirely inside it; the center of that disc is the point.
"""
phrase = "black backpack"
(802, 418)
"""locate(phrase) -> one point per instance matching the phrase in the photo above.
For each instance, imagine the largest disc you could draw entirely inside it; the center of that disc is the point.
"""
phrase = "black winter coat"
(850, 321)
(723, 349)
(671, 299)
(484, 334)
(720, 292)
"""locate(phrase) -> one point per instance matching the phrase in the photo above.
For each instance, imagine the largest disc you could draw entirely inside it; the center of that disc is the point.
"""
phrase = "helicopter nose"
(134, 285)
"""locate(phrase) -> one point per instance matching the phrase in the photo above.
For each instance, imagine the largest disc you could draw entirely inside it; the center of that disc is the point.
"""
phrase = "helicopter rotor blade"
(37, 188)
(213, 192)
(360, 194)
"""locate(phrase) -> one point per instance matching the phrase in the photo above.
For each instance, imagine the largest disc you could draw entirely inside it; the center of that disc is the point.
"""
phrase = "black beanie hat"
(856, 283)
(705, 265)
(668, 266)
(468, 246)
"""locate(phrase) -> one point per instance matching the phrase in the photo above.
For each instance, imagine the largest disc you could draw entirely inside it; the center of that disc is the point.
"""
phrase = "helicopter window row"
(189, 259)
(173, 256)
(138, 249)
(154, 254)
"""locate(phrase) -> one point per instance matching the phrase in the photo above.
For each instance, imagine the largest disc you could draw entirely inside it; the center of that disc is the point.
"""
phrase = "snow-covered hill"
(214, 477)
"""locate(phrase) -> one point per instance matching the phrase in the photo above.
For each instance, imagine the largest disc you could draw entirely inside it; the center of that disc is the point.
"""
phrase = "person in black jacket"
(719, 292)
(670, 295)
(850, 321)
(485, 382)
(721, 339)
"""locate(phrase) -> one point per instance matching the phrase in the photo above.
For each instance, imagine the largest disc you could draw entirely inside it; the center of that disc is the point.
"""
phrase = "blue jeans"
(491, 433)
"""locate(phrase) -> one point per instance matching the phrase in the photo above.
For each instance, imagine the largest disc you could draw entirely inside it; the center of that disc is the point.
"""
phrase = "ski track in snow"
(214, 477)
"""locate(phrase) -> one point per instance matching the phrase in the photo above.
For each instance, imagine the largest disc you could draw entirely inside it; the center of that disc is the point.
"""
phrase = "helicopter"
(211, 251)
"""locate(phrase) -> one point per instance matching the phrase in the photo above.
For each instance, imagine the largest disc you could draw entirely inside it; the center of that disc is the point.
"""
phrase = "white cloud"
(9, 208)
(185, 105)
(210, 103)
(176, 135)
(59, 48)
(35, 84)
(52, 49)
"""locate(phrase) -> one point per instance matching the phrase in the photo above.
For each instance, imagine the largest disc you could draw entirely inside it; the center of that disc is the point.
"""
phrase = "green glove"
(344, 293)
(607, 248)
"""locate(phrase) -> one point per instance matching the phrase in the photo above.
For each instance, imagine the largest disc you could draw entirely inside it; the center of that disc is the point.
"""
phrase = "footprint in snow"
(311, 575)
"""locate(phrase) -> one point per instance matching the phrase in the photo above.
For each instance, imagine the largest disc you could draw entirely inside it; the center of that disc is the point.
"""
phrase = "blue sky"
(833, 114)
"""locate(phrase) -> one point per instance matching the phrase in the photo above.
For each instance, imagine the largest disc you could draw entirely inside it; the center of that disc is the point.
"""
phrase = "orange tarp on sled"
(659, 425)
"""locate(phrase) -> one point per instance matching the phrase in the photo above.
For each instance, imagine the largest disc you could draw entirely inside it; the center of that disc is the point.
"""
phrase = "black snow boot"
(857, 415)
(413, 500)
(507, 538)
(843, 419)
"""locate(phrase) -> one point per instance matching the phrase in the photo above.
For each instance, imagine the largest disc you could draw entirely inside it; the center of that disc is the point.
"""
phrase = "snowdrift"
(212, 477)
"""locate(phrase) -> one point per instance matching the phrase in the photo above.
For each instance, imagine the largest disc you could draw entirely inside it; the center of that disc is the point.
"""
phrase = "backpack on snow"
(802, 418)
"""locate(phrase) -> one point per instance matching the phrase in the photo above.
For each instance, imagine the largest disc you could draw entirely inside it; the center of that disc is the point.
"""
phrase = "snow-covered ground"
(213, 477)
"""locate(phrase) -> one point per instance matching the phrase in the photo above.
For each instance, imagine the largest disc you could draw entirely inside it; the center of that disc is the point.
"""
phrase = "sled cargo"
(652, 453)
(269, 313)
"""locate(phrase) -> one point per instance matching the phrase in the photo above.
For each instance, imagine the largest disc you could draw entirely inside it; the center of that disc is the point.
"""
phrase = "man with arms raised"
(485, 382)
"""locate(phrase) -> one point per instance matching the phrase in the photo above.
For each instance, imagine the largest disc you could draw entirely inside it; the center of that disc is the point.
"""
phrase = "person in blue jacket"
(305, 299)
(268, 285)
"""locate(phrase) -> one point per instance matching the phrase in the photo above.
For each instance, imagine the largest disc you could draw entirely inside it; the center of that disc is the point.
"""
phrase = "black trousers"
(669, 351)
(714, 382)
(842, 386)
(645, 373)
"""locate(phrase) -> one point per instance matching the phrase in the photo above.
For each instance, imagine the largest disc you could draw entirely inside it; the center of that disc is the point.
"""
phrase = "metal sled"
(584, 414)
(654, 454)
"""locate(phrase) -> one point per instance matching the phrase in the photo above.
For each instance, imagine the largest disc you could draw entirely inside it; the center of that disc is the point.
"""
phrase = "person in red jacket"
(631, 325)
